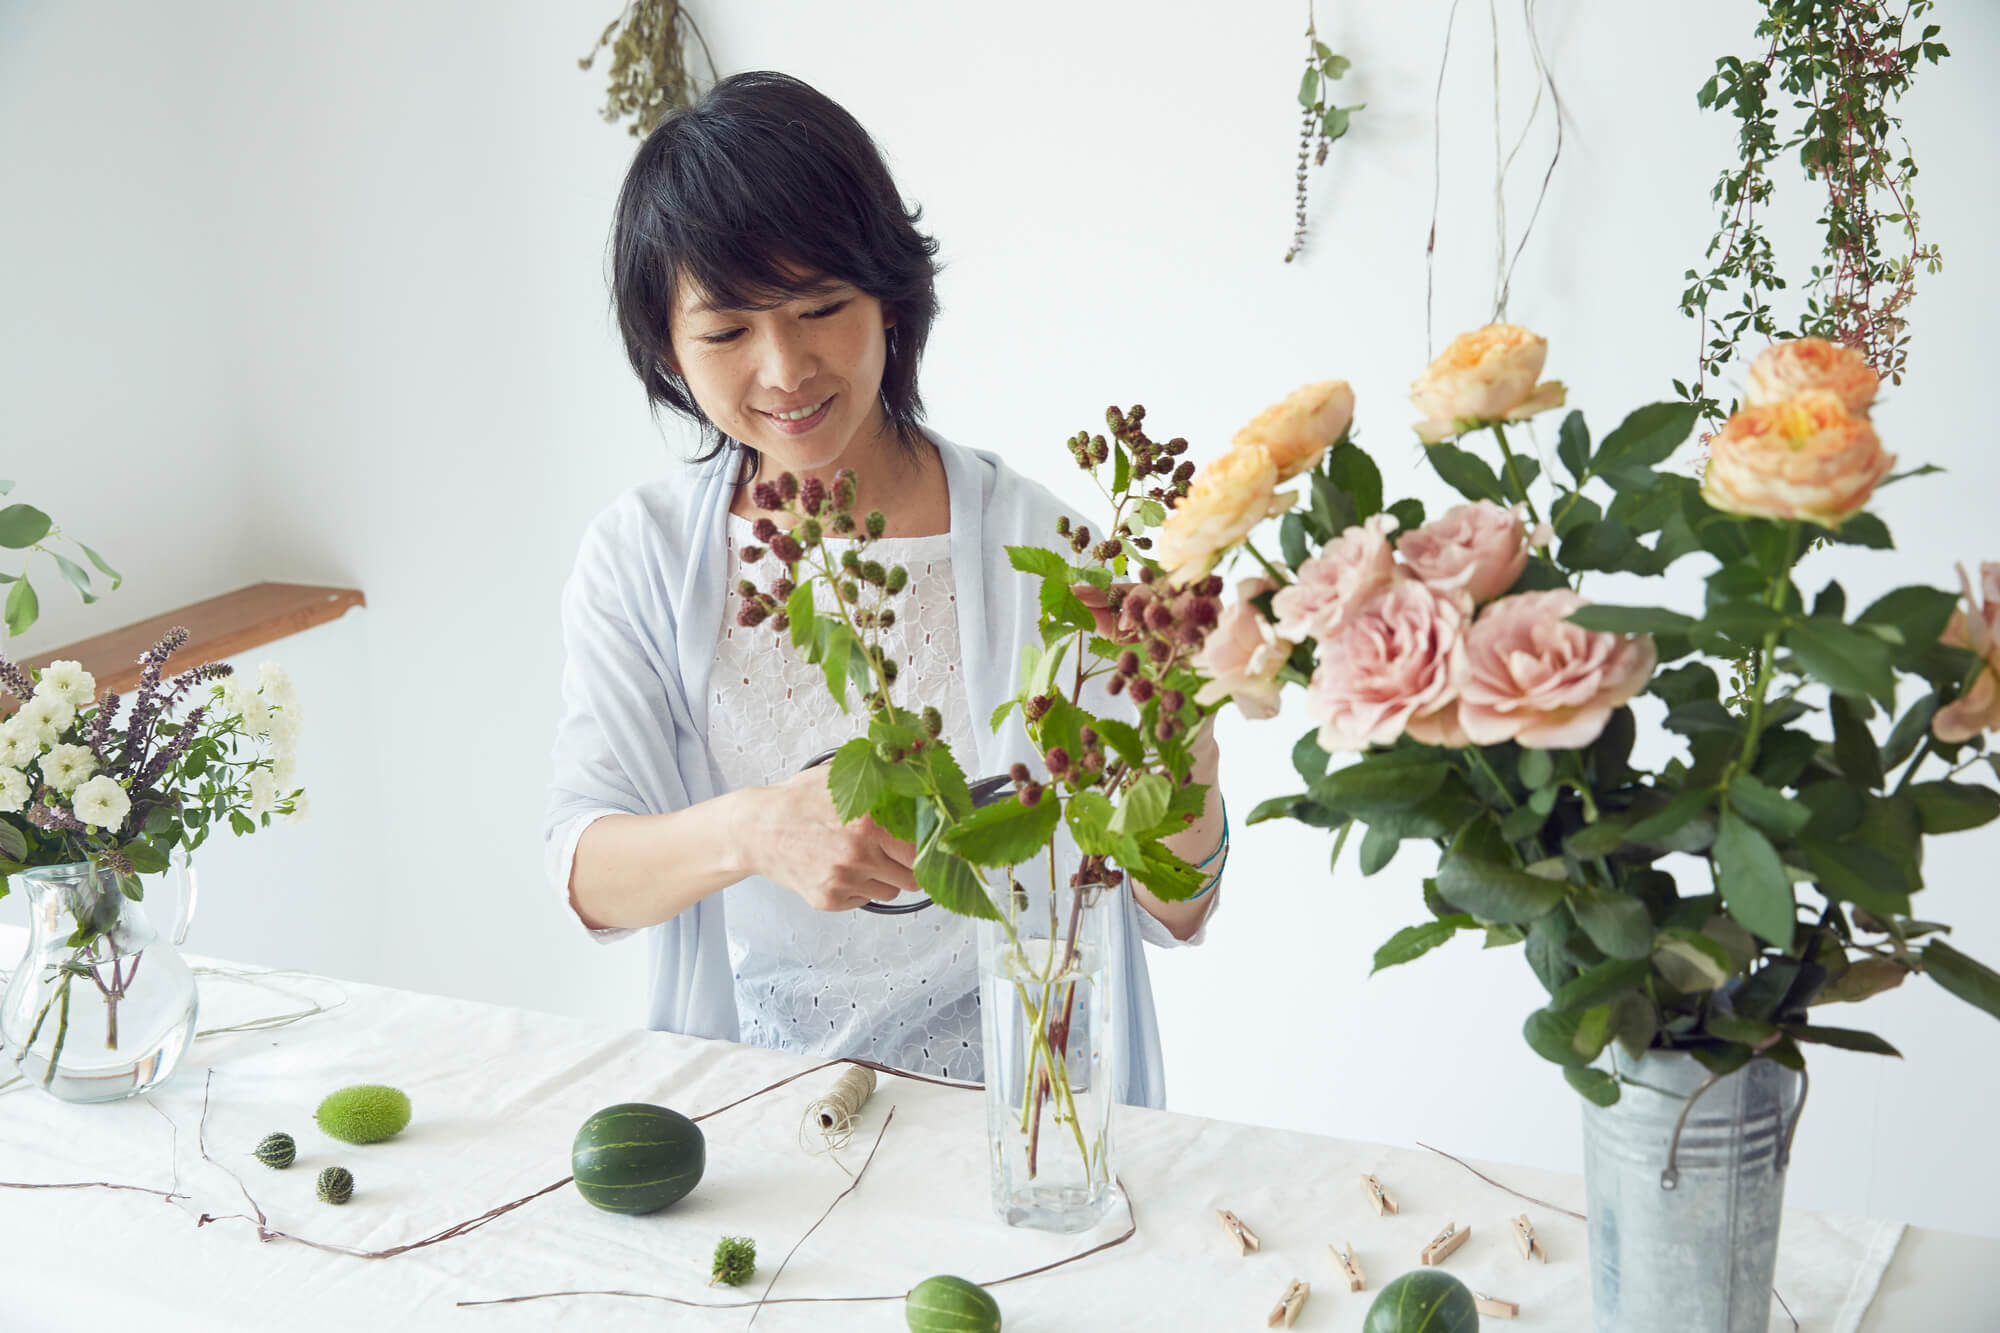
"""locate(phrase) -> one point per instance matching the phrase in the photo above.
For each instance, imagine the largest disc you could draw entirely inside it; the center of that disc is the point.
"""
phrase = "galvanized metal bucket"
(1684, 1197)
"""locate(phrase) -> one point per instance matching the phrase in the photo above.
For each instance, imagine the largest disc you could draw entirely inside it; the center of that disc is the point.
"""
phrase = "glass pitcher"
(100, 1007)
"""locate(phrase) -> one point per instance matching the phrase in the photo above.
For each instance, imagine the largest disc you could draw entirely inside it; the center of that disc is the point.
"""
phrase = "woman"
(771, 286)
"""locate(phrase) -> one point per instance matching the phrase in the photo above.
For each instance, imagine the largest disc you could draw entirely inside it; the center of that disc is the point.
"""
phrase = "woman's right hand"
(799, 842)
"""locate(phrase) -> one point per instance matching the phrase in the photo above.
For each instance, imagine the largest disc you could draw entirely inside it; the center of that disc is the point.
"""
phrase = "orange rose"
(1803, 457)
(1803, 364)
(1976, 627)
(1230, 496)
(1484, 376)
(1298, 431)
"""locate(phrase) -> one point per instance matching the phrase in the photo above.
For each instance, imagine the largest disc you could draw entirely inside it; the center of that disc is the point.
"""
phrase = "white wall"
(315, 293)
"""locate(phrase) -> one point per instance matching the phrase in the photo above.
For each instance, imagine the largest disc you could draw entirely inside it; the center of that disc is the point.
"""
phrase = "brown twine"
(852, 1185)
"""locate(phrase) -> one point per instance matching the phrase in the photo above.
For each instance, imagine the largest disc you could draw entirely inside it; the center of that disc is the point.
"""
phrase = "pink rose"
(1393, 668)
(1483, 376)
(1800, 365)
(1345, 573)
(1479, 548)
(1533, 677)
(1978, 709)
(1242, 656)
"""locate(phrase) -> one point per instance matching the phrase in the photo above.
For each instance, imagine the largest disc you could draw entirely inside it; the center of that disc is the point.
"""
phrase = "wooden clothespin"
(1286, 1311)
(1494, 1306)
(1350, 1267)
(1525, 1239)
(1444, 1243)
(1242, 1237)
(1384, 1202)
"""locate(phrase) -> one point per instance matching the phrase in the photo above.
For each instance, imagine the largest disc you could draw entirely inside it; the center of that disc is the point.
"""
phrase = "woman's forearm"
(1182, 919)
(633, 871)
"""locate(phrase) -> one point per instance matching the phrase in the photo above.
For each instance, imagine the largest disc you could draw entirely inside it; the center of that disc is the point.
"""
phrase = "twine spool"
(831, 1117)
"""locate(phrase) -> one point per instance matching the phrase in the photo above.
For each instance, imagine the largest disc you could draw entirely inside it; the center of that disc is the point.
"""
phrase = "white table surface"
(498, 1094)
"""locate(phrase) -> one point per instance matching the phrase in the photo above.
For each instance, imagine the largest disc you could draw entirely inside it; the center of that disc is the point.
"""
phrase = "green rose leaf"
(1597, 1087)
(1601, 983)
(1496, 892)
(1847, 1039)
(1465, 473)
(1844, 659)
(1385, 782)
(1573, 446)
(1631, 620)
(1378, 848)
(1615, 922)
(1646, 438)
(1968, 979)
(1772, 811)
(1690, 961)
(1755, 888)
(1949, 807)
(1355, 473)
(1415, 941)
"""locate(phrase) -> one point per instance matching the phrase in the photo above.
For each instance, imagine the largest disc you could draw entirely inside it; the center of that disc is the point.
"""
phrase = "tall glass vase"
(1047, 1016)
(101, 1006)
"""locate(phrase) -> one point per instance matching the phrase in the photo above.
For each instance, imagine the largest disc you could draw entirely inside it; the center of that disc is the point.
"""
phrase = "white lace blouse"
(903, 990)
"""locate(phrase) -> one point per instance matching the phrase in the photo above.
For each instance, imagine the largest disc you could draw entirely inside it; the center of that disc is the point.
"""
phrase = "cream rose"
(1228, 498)
(1344, 574)
(1533, 677)
(1976, 627)
(1484, 376)
(1298, 432)
(1243, 655)
(1805, 457)
(1393, 669)
(1801, 365)
(1478, 548)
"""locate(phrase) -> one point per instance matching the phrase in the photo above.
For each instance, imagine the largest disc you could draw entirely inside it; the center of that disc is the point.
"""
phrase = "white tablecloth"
(498, 1094)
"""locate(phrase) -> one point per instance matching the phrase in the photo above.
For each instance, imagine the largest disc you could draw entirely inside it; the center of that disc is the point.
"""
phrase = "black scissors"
(984, 792)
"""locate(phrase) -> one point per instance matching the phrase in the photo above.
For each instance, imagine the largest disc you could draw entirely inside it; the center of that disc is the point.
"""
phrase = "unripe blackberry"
(843, 523)
(1031, 793)
(812, 495)
(872, 572)
(1116, 685)
(277, 1151)
(1142, 689)
(1146, 574)
(767, 496)
(850, 560)
(1165, 729)
(810, 533)
(752, 554)
(933, 721)
(336, 1185)
(899, 579)
(1062, 525)
(885, 617)
(1057, 760)
(788, 486)
(786, 547)
(746, 588)
(1128, 663)
(1172, 701)
(1020, 775)
(875, 523)
(764, 529)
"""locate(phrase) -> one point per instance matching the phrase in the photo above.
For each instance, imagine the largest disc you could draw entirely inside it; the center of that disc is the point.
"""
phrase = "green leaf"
(1378, 848)
(1145, 804)
(1123, 737)
(1308, 758)
(1465, 473)
(1646, 438)
(1040, 561)
(78, 578)
(1772, 811)
(1121, 469)
(1005, 833)
(1277, 807)
(1573, 446)
(1605, 545)
(146, 859)
(1909, 731)
(1409, 514)
(855, 779)
(1495, 892)
(13, 843)
(949, 881)
(1692, 683)
(1677, 814)
(1355, 473)
(21, 526)
(1690, 961)
(804, 628)
(1415, 941)
(1632, 620)
(98, 560)
(1570, 1040)
(1844, 659)
(1948, 807)
(1382, 782)
(1065, 607)
(1292, 540)
(1615, 922)
(1597, 1087)
(1847, 1039)
(1754, 886)
(1967, 978)
(1601, 983)
(1863, 530)
(1854, 745)
(22, 607)
(1309, 88)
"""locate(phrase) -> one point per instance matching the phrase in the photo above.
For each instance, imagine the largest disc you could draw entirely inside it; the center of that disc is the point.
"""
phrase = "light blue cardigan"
(641, 614)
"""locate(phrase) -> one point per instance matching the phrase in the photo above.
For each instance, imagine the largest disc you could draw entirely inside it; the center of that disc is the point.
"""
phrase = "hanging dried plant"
(1320, 121)
(649, 73)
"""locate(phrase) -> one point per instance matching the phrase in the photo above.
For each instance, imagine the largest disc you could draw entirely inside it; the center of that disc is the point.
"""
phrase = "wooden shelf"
(221, 627)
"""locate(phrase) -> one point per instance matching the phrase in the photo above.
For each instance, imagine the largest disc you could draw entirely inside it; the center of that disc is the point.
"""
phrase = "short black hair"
(757, 193)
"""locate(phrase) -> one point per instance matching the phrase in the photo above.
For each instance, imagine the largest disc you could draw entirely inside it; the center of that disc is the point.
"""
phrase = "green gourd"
(1429, 1300)
(277, 1151)
(364, 1113)
(637, 1158)
(336, 1185)
(946, 1304)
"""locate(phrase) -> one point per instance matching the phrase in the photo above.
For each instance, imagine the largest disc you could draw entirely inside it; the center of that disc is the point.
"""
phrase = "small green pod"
(336, 1185)
(277, 1151)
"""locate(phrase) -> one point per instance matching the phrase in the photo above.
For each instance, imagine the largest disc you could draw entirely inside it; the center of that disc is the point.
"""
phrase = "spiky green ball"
(735, 1261)
(364, 1113)
(336, 1185)
(277, 1151)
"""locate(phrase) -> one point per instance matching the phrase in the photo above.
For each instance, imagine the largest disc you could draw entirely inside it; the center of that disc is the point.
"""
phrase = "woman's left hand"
(1098, 601)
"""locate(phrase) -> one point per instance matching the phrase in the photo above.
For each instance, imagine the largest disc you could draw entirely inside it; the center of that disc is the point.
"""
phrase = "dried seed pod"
(277, 1151)
(336, 1185)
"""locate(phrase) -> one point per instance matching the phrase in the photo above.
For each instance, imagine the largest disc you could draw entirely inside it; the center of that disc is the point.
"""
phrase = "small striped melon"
(636, 1158)
(1425, 1300)
(947, 1304)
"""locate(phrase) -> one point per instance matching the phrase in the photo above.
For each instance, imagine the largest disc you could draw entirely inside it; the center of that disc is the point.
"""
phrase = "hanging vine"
(1845, 66)
(1320, 121)
(649, 68)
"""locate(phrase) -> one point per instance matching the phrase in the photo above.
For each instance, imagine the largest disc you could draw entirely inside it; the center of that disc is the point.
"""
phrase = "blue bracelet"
(1221, 850)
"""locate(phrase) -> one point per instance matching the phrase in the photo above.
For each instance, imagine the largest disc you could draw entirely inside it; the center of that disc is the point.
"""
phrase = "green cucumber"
(946, 1304)
(637, 1158)
(1424, 1300)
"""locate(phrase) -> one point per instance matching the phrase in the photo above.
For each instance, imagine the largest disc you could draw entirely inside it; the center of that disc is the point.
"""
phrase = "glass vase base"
(1062, 1210)
(77, 1080)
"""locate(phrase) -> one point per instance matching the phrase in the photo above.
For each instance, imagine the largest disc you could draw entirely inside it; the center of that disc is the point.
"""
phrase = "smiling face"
(799, 380)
